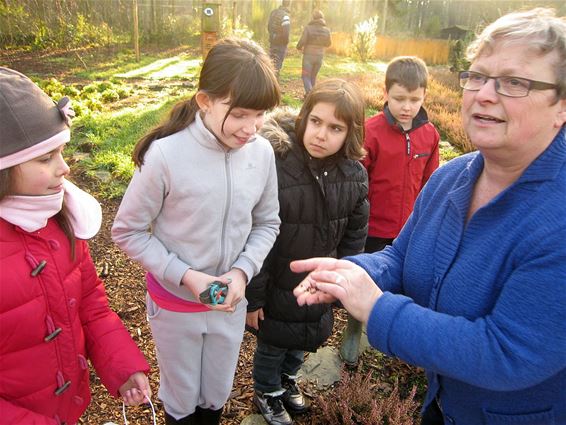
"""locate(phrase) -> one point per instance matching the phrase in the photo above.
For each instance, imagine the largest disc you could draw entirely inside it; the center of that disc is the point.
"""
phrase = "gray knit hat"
(31, 124)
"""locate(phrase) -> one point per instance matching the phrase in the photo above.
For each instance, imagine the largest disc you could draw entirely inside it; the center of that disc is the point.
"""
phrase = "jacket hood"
(279, 129)
(318, 21)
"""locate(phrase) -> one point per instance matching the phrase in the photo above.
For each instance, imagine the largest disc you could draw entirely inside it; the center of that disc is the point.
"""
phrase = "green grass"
(108, 139)
(333, 66)
(120, 63)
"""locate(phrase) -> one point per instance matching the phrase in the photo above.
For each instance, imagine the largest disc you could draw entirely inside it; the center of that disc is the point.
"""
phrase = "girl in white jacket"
(201, 208)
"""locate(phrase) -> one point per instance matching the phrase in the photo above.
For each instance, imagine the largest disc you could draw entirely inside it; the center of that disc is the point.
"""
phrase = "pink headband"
(36, 150)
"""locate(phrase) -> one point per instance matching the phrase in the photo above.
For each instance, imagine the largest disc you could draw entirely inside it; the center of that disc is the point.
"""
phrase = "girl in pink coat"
(54, 315)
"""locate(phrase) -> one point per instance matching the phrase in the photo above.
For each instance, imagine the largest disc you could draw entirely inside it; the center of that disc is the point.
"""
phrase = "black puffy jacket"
(324, 213)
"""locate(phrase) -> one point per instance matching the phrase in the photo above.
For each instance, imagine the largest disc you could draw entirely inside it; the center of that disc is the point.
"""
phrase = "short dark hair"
(407, 71)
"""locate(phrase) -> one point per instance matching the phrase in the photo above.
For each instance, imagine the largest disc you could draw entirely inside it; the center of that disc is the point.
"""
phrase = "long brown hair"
(7, 176)
(237, 69)
(349, 107)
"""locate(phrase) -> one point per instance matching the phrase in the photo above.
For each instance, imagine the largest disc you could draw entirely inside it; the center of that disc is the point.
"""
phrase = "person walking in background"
(54, 314)
(402, 148)
(200, 213)
(323, 211)
(279, 30)
(473, 289)
(315, 38)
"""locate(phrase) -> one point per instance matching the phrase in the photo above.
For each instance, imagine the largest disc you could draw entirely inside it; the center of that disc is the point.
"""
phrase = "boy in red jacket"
(402, 153)
(402, 148)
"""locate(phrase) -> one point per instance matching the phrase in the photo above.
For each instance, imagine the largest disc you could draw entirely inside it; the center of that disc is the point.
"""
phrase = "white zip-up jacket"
(196, 204)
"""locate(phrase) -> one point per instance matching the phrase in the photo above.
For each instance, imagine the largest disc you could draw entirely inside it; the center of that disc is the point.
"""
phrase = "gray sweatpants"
(197, 355)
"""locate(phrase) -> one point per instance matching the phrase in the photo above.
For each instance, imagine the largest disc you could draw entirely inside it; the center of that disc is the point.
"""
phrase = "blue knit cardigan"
(481, 306)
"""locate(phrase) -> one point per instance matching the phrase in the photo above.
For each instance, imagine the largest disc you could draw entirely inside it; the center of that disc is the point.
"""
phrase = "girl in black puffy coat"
(324, 212)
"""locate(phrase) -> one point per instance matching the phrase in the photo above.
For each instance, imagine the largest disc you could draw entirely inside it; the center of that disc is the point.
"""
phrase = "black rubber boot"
(209, 416)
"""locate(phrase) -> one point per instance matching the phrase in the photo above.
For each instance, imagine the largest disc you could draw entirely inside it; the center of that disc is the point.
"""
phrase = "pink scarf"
(32, 212)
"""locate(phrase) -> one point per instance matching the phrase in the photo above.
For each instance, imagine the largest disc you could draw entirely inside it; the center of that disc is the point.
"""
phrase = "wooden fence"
(432, 51)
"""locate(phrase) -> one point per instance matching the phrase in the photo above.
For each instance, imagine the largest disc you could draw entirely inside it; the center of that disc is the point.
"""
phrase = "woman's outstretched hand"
(331, 279)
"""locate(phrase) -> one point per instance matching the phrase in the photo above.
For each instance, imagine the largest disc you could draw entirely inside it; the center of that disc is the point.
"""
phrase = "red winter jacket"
(50, 324)
(399, 163)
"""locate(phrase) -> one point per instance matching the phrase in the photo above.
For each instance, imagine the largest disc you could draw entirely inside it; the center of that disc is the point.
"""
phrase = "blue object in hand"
(215, 293)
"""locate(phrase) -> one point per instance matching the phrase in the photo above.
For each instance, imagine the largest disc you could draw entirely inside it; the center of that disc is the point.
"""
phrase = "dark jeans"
(376, 244)
(311, 66)
(277, 54)
(271, 362)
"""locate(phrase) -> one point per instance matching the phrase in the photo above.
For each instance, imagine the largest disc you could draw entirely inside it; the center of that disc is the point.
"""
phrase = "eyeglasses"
(507, 86)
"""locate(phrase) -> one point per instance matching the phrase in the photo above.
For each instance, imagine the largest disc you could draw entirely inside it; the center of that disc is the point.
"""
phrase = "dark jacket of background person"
(315, 37)
(279, 26)
(324, 212)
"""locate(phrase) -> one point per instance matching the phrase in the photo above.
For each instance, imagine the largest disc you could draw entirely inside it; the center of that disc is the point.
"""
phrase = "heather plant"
(447, 78)
(443, 105)
(373, 91)
(357, 401)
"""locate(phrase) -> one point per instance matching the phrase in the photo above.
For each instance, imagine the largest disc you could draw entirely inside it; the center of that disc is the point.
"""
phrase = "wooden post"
(210, 28)
(136, 29)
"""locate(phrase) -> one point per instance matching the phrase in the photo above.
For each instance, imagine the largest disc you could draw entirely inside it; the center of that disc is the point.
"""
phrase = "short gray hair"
(540, 28)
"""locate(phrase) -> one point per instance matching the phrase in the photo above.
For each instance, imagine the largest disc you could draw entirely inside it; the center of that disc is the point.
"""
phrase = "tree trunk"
(135, 34)
(153, 17)
(234, 16)
(384, 17)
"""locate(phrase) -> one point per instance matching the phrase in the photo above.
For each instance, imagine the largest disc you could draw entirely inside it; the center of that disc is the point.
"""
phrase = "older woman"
(474, 288)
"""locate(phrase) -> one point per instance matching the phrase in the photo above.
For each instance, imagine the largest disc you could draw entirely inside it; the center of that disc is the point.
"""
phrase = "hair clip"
(66, 110)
